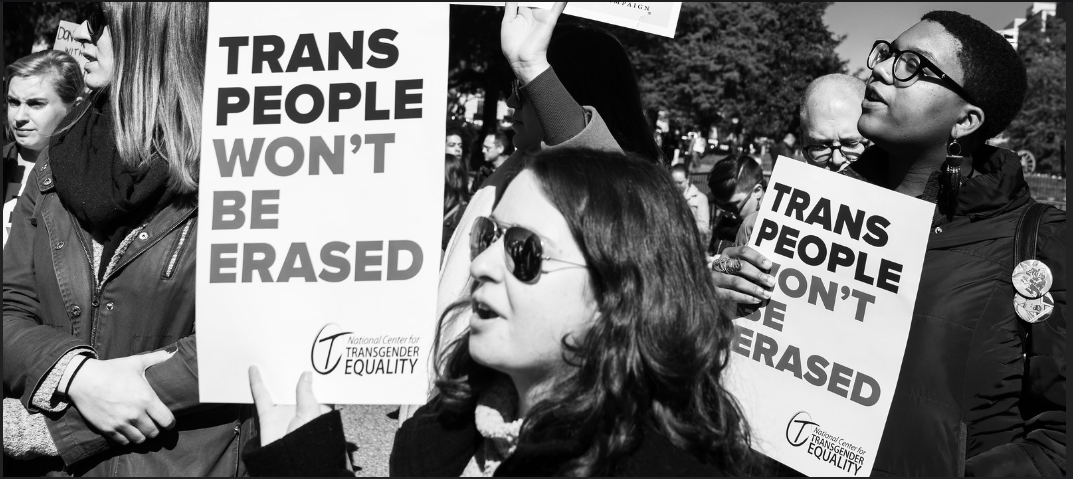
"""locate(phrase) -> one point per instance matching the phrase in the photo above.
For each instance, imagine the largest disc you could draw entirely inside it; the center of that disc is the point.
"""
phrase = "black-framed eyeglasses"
(821, 153)
(522, 249)
(733, 211)
(908, 65)
(96, 21)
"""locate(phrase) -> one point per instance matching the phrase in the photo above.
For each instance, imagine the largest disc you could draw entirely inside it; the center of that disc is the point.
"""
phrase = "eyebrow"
(547, 241)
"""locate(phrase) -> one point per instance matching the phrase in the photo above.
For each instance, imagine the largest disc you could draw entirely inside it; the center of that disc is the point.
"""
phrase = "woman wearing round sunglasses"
(981, 390)
(595, 344)
(574, 88)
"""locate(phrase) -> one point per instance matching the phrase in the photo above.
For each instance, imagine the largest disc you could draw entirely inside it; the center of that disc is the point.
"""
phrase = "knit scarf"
(107, 196)
(496, 408)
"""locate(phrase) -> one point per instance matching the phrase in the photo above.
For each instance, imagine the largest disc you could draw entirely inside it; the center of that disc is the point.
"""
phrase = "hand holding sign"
(277, 421)
(525, 36)
(750, 285)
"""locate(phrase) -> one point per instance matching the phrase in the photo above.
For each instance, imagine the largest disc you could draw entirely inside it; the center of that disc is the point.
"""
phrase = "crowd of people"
(586, 299)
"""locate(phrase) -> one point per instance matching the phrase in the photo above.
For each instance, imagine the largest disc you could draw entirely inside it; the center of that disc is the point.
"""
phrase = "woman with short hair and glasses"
(587, 351)
(981, 391)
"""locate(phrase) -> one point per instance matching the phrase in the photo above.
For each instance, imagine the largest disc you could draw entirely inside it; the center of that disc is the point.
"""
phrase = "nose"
(837, 159)
(882, 73)
(490, 265)
(22, 115)
(513, 101)
(81, 33)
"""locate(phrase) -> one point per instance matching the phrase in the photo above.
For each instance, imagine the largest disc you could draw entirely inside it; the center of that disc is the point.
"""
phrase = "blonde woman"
(101, 268)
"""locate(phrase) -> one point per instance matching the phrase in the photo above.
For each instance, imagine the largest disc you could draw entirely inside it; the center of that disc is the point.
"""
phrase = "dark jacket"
(145, 304)
(428, 445)
(966, 401)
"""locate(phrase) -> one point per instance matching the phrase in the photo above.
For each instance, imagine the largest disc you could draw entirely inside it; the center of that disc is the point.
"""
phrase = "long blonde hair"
(157, 84)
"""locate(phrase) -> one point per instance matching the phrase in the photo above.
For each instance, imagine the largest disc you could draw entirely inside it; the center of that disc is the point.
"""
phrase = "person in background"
(698, 202)
(830, 108)
(574, 361)
(453, 144)
(496, 149)
(100, 354)
(736, 185)
(784, 148)
(982, 386)
(42, 88)
(455, 195)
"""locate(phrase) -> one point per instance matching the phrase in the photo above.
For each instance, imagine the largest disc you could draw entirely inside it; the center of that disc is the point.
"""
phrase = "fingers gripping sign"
(749, 284)
(277, 421)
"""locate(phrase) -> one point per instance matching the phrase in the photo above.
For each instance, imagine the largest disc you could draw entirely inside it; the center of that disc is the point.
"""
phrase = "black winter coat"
(428, 445)
(967, 401)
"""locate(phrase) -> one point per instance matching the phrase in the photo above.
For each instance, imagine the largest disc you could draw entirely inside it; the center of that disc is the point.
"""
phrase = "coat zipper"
(99, 286)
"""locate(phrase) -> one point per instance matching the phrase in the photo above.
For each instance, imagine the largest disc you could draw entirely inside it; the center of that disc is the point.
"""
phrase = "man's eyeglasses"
(523, 249)
(909, 64)
(733, 210)
(821, 153)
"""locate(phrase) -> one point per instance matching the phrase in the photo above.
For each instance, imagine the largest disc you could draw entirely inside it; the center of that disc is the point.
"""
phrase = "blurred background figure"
(736, 185)
(786, 147)
(698, 202)
(496, 148)
(455, 195)
(41, 89)
(453, 145)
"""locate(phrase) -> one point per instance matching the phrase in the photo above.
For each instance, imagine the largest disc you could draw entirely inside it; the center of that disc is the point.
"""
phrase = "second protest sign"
(814, 368)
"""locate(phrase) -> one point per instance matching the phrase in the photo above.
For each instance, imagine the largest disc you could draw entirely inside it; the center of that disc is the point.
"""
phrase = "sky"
(866, 22)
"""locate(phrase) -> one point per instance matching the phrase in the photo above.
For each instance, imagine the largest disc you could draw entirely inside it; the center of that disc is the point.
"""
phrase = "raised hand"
(524, 37)
(115, 398)
(277, 421)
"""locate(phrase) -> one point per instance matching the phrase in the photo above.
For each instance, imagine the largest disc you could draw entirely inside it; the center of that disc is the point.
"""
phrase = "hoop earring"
(951, 176)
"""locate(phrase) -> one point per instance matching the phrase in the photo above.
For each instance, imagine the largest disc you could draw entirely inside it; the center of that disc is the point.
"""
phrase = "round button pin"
(1032, 278)
(1034, 310)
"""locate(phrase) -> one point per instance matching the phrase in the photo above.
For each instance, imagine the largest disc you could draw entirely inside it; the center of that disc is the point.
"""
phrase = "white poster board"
(65, 42)
(660, 18)
(321, 199)
(815, 367)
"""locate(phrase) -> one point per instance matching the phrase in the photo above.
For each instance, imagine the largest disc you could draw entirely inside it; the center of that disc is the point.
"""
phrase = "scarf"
(107, 196)
(496, 408)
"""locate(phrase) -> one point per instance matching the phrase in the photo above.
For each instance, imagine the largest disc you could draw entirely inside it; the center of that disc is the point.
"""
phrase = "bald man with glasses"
(829, 112)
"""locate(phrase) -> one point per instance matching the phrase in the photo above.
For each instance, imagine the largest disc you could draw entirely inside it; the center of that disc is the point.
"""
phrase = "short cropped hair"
(994, 73)
(735, 174)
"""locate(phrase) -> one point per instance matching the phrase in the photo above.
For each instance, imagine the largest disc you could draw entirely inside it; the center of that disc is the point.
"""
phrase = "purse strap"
(1024, 248)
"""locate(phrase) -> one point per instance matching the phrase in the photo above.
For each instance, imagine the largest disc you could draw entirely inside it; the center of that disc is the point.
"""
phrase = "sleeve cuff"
(51, 394)
(317, 448)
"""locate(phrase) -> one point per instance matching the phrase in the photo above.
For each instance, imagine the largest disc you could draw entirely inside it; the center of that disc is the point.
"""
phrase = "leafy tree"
(752, 60)
(37, 22)
(1041, 125)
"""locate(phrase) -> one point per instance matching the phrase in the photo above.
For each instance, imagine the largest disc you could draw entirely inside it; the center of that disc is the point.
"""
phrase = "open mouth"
(483, 311)
(871, 95)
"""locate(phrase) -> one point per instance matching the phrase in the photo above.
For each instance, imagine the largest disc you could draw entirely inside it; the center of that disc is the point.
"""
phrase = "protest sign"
(65, 42)
(321, 198)
(660, 18)
(815, 367)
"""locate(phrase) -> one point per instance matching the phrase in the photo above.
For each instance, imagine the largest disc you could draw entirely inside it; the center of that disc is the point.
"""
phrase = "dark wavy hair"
(653, 360)
(595, 68)
(734, 174)
(455, 182)
(994, 73)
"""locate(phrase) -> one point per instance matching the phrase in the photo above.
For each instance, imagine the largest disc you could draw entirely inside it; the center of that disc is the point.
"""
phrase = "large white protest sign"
(660, 18)
(65, 42)
(321, 199)
(815, 367)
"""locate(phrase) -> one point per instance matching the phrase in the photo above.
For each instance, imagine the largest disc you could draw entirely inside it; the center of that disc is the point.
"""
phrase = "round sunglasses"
(522, 249)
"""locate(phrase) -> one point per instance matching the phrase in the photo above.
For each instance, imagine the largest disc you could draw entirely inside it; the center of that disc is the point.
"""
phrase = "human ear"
(971, 119)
